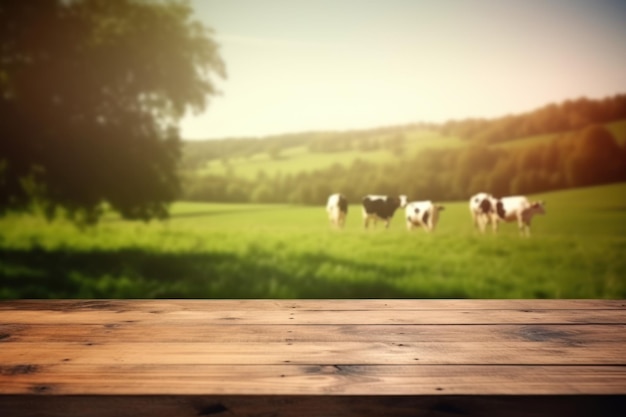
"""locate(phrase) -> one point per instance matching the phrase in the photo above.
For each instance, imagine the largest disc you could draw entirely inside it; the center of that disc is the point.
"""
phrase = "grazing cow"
(422, 214)
(337, 209)
(486, 210)
(482, 208)
(518, 208)
(381, 207)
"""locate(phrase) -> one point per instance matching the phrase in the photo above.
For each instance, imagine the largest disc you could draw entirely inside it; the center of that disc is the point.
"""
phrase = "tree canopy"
(91, 93)
(553, 118)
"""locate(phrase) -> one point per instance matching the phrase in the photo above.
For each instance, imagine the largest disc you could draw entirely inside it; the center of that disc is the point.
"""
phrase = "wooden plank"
(164, 306)
(327, 317)
(314, 406)
(198, 332)
(118, 379)
(468, 351)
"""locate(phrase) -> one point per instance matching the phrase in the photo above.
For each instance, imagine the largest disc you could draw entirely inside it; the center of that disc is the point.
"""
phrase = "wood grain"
(161, 331)
(347, 304)
(326, 317)
(239, 352)
(291, 379)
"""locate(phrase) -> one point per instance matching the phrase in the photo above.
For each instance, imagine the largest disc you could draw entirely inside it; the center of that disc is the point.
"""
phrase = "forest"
(578, 150)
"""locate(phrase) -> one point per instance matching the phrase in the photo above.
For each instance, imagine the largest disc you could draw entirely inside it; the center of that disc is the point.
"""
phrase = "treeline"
(567, 116)
(587, 157)
(570, 115)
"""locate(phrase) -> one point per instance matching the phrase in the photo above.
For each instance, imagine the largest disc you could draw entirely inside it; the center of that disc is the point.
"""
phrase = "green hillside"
(299, 158)
(295, 159)
(617, 129)
(573, 144)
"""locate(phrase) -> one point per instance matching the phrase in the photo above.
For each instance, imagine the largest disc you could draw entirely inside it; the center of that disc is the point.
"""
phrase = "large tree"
(91, 93)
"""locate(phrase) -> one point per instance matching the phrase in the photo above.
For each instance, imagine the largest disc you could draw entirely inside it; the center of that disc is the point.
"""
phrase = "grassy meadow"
(279, 251)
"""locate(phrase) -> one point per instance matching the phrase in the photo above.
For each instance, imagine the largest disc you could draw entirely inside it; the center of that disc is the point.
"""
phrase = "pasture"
(279, 251)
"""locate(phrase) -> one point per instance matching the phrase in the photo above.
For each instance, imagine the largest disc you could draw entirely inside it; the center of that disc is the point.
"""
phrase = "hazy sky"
(300, 65)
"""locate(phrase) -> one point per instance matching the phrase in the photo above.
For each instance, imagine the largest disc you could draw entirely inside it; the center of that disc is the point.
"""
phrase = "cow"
(381, 207)
(518, 208)
(422, 214)
(489, 210)
(482, 208)
(337, 209)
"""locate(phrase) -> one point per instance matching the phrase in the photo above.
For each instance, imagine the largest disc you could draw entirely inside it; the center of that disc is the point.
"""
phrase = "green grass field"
(277, 251)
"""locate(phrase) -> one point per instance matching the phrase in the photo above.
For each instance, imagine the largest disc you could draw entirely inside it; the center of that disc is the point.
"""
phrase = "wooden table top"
(312, 347)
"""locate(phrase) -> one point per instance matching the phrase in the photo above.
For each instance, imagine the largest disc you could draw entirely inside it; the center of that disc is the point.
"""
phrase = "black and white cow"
(482, 208)
(487, 209)
(381, 207)
(422, 214)
(337, 209)
(519, 208)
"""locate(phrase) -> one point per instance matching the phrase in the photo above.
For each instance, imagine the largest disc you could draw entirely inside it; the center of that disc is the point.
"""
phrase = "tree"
(501, 176)
(91, 93)
(597, 158)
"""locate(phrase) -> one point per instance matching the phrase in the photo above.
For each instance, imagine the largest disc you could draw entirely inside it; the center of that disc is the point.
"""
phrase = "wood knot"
(18, 370)
(40, 389)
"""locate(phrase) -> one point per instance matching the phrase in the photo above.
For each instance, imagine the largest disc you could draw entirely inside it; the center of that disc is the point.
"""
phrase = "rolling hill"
(576, 143)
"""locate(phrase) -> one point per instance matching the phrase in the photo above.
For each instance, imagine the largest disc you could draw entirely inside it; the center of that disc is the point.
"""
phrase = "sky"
(319, 65)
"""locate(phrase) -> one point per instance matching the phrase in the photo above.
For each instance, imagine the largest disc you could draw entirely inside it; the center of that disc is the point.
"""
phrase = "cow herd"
(485, 210)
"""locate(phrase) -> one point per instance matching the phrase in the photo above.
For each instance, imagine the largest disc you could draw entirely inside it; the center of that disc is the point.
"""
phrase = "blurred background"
(186, 149)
